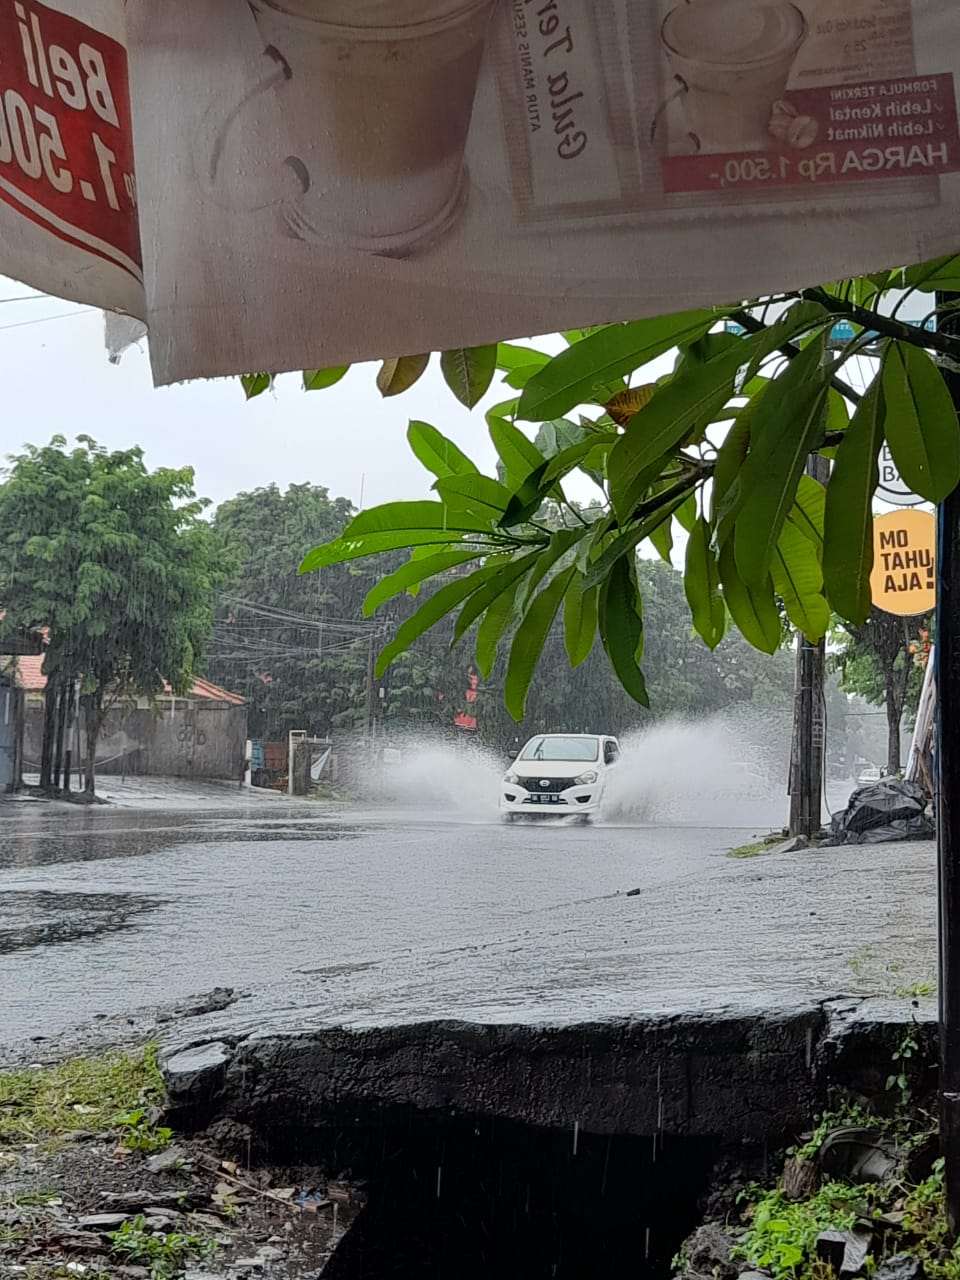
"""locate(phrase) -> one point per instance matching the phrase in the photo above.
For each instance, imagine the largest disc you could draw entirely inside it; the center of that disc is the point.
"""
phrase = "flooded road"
(364, 915)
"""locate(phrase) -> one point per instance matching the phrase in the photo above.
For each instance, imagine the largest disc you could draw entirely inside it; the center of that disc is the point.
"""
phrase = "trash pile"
(881, 813)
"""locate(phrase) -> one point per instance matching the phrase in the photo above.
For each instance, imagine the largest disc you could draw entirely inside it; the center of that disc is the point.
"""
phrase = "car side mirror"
(512, 753)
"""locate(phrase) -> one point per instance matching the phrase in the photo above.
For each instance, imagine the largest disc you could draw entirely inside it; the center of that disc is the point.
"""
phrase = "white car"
(558, 775)
(870, 775)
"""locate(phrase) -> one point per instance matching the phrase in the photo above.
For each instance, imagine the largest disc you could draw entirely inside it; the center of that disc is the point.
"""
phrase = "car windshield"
(545, 748)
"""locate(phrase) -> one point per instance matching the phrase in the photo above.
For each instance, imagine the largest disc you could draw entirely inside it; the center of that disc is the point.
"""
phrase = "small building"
(202, 734)
(12, 649)
(11, 733)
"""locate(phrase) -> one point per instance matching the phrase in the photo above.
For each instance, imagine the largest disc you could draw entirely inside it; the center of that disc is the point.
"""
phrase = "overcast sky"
(57, 378)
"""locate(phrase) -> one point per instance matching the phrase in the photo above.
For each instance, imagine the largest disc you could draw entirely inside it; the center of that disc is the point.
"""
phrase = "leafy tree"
(717, 448)
(115, 563)
(298, 648)
(883, 662)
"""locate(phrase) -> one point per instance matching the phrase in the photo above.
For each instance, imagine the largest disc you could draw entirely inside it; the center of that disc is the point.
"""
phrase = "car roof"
(603, 737)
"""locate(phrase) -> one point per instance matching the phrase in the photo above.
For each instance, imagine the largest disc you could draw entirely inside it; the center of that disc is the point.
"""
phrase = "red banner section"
(66, 142)
(876, 130)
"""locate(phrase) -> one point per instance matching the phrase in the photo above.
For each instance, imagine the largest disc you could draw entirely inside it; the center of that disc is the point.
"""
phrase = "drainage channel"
(513, 1151)
(454, 1199)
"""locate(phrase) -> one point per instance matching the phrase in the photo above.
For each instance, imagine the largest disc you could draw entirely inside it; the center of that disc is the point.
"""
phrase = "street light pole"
(947, 667)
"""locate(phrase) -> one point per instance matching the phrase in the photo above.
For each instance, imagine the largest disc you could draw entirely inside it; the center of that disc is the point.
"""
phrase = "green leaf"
(688, 401)
(848, 517)
(555, 438)
(572, 377)
(412, 574)
(579, 620)
(753, 609)
(320, 379)
(686, 513)
(505, 409)
(518, 454)
(793, 323)
(430, 612)
(786, 426)
(421, 514)
(621, 628)
(574, 455)
(730, 458)
(510, 356)
(662, 539)
(529, 641)
(371, 544)
(468, 371)
(440, 456)
(808, 510)
(561, 541)
(476, 494)
(255, 384)
(492, 626)
(920, 421)
(798, 580)
(506, 578)
(629, 539)
(399, 375)
(701, 584)
(941, 273)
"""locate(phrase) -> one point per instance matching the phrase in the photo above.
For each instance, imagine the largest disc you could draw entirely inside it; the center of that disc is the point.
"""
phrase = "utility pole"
(72, 693)
(947, 774)
(62, 700)
(370, 698)
(807, 755)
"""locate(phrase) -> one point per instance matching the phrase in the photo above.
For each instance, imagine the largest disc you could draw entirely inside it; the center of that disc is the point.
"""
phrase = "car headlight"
(585, 779)
(512, 777)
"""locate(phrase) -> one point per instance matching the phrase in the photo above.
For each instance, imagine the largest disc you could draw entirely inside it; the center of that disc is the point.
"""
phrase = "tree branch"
(790, 352)
(887, 326)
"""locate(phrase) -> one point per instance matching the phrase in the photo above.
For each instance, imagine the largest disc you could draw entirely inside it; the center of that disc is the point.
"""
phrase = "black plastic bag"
(886, 811)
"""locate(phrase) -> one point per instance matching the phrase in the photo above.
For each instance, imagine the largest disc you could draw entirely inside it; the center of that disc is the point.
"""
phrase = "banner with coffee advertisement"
(322, 181)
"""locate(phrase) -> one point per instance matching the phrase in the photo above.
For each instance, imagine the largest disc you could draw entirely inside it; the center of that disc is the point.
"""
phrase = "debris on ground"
(79, 1197)
(861, 1196)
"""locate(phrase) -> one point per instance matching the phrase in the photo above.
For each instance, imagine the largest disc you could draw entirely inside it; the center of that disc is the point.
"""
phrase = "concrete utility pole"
(370, 692)
(807, 756)
(947, 774)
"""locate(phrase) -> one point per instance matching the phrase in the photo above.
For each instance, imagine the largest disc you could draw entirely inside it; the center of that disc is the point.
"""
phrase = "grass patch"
(749, 850)
(917, 990)
(164, 1253)
(81, 1094)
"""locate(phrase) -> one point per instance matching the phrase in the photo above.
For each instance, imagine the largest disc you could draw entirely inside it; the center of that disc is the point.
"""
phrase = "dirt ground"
(134, 1200)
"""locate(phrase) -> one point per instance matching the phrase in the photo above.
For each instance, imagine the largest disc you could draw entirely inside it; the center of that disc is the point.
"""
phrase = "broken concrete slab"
(196, 1070)
(728, 1076)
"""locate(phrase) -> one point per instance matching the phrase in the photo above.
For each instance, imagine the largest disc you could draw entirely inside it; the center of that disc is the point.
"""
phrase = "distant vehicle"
(558, 775)
(869, 776)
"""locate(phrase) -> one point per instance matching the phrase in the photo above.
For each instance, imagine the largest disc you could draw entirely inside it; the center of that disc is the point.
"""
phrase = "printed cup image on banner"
(375, 99)
(728, 63)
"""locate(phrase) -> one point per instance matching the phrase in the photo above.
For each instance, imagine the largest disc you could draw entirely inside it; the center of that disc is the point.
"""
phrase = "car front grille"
(546, 784)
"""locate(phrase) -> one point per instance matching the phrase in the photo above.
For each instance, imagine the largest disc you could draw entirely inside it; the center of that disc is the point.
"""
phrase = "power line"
(63, 315)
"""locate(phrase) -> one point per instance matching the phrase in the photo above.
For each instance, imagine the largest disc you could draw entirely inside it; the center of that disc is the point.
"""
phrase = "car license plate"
(548, 799)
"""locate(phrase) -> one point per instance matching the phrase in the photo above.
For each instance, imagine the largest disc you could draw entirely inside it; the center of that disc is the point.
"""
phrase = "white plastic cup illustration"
(733, 59)
(376, 98)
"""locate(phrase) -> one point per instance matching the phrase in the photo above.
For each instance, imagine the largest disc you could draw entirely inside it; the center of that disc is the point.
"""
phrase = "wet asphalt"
(362, 916)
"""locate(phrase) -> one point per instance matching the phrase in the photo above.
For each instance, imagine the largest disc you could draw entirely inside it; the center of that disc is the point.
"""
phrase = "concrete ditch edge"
(727, 1076)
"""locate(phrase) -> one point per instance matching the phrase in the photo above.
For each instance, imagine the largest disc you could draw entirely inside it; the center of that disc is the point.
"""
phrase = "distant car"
(559, 775)
(869, 776)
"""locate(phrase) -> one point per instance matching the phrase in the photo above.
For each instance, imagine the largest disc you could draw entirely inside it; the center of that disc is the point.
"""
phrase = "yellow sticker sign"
(904, 577)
